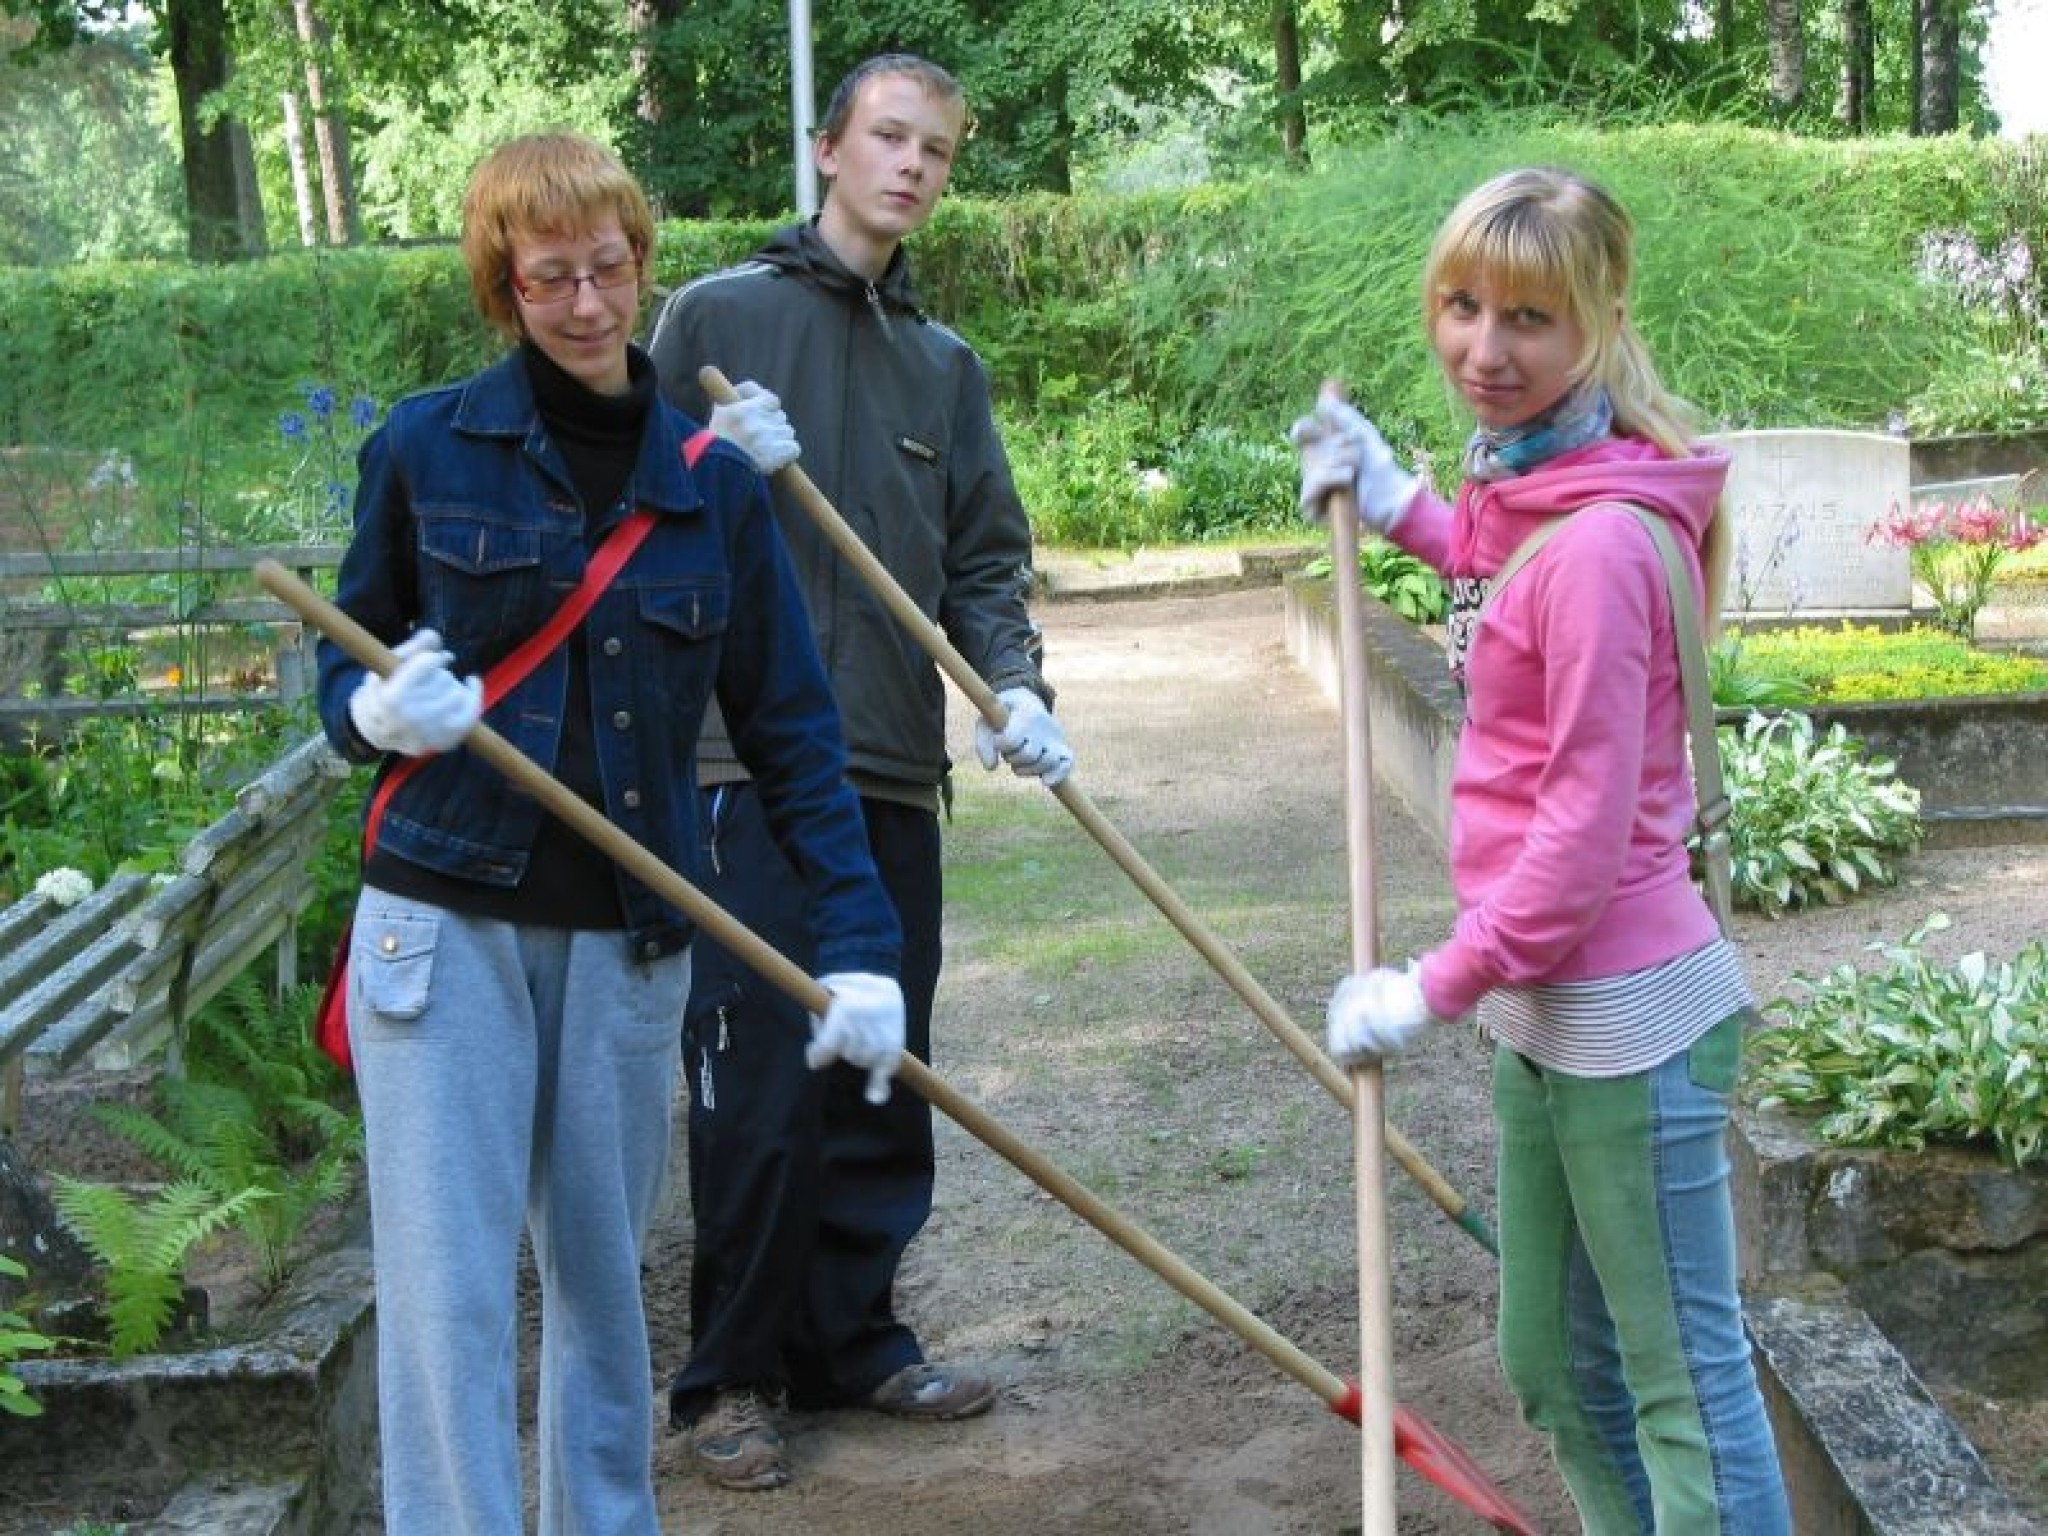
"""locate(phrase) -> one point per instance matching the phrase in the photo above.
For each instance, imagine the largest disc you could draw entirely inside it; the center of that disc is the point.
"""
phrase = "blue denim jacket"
(465, 522)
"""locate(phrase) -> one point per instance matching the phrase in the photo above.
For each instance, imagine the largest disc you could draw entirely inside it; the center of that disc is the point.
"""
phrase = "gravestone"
(1804, 503)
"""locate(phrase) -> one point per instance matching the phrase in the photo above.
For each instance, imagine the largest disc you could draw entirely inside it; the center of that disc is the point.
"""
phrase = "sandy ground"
(1073, 1012)
(1119, 1053)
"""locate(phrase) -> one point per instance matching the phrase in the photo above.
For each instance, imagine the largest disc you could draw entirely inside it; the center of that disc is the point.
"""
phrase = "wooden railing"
(113, 978)
(41, 629)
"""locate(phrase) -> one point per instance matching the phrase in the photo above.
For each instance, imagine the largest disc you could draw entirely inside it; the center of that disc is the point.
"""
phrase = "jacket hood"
(1492, 518)
(800, 248)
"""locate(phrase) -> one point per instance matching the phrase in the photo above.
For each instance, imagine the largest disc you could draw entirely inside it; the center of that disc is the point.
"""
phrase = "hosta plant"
(1915, 1051)
(1815, 819)
(1409, 586)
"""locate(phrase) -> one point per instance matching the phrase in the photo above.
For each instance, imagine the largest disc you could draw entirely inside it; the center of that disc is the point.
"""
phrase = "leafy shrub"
(18, 1339)
(1088, 479)
(1916, 1052)
(1858, 662)
(1740, 679)
(1224, 484)
(1814, 819)
(126, 791)
(1409, 586)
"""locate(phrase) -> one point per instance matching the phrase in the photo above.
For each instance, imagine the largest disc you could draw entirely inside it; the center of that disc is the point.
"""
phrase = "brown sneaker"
(929, 1391)
(736, 1444)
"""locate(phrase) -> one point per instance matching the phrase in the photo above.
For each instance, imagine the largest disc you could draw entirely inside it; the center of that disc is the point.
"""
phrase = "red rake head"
(1444, 1462)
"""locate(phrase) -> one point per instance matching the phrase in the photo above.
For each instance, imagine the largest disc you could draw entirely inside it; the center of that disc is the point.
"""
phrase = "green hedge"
(1777, 287)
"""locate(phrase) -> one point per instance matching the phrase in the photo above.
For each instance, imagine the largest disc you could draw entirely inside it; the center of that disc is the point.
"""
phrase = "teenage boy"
(804, 1196)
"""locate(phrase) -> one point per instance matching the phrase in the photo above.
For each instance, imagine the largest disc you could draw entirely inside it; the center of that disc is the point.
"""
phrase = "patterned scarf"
(1499, 453)
(1583, 416)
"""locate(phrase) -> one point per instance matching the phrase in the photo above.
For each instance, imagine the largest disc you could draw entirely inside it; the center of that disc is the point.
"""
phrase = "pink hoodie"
(1572, 795)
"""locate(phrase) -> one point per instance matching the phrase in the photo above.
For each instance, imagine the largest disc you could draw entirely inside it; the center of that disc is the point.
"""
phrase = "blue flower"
(320, 401)
(293, 426)
(361, 412)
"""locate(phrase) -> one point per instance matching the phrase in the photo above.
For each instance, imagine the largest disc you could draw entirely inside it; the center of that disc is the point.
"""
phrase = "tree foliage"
(697, 95)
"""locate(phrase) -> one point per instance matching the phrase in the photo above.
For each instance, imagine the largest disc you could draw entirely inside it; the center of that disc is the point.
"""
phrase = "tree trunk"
(330, 129)
(248, 191)
(1937, 105)
(1788, 53)
(1857, 108)
(1287, 77)
(200, 65)
(643, 19)
(1724, 30)
(295, 154)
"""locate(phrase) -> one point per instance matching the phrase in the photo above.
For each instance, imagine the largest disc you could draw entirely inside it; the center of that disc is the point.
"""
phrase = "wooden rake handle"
(1069, 793)
(1369, 1131)
(786, 975)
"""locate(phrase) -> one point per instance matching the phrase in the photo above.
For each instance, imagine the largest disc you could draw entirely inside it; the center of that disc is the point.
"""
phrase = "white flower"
(64, 887)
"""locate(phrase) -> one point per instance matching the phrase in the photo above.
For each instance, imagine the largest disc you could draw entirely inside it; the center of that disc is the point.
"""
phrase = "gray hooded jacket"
(892, 412)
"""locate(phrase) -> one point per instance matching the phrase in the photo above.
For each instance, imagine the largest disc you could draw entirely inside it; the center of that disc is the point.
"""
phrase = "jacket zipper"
(881, 313)
(707, 1088)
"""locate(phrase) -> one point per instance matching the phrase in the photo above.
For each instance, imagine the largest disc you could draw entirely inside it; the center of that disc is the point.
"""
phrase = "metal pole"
(802, 110)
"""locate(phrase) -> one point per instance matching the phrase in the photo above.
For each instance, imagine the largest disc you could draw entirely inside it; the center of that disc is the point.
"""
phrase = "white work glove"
(863, 1028)
(1376, 1013)
(1031, 741)
(422, 707)
(1342, 451)
(756, 424)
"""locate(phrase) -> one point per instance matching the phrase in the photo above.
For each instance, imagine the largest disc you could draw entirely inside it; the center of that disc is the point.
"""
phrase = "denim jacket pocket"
(683, 622)
(392, 957)
(687, 610)
(484, 578)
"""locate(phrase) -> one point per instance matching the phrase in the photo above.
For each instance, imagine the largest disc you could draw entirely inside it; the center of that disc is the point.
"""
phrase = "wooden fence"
(113, 978)
(45, 611)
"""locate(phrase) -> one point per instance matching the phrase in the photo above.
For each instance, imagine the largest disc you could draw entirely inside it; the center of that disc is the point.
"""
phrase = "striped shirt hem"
(1615, 1025)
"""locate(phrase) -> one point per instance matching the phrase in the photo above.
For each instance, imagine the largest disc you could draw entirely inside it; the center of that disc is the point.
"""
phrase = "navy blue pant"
(804, 1195)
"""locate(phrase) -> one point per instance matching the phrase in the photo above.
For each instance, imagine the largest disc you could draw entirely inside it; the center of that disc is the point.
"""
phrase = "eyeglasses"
(559, 287)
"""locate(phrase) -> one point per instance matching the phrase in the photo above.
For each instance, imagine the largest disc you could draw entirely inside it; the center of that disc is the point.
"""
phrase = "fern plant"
(144, 1244)
(248, 1118)
(1814, 819)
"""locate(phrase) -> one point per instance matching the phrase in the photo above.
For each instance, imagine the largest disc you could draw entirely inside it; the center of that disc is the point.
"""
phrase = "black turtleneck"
(568, 884)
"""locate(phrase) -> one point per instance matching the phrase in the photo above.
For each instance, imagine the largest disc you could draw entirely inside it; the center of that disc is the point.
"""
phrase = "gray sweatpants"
(511, 1078)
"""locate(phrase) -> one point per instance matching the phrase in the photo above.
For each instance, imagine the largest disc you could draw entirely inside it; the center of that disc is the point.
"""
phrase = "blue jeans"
(1620, 1323)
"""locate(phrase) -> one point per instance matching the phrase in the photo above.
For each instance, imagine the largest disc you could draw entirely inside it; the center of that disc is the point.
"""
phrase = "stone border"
(269, 1437)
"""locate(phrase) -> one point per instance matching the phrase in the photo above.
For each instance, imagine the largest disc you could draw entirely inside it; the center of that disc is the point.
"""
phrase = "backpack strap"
(1712, 806)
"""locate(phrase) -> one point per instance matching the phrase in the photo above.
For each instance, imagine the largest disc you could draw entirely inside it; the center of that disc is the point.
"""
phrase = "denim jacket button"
(630, 799)
(623, 719)
(613, 645)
